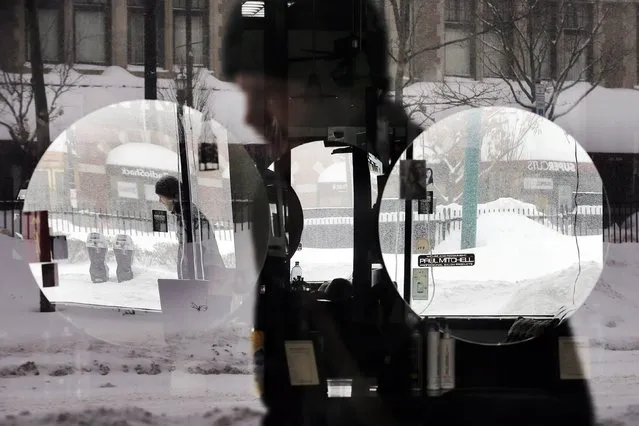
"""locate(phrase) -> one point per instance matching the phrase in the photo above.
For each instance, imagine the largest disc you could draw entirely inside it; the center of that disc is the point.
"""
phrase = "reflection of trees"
(504, 135)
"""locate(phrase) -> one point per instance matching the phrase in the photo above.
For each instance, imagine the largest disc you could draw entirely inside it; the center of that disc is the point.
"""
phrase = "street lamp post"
(185, 195)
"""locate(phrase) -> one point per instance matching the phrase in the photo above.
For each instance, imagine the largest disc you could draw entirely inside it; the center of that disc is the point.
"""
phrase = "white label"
(574, 358)
(419, 289)
(128, 190)
(302, 368)
(538, 183)
(422, 246)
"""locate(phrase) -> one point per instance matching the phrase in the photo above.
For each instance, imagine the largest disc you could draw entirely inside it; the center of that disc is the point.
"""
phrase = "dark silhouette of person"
(340, 97)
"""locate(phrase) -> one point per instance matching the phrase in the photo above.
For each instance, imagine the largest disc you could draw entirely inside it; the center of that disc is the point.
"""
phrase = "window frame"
(93, 5)
(198, 8)
(465, 23)
(137, 7)
(48, 5)
(582, 28)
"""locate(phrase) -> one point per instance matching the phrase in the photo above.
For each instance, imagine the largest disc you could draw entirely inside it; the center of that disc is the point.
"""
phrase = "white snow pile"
(236, 416)
(521, 267)
(506, 204)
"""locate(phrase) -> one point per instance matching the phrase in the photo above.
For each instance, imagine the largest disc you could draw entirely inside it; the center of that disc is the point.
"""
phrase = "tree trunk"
(43, 138)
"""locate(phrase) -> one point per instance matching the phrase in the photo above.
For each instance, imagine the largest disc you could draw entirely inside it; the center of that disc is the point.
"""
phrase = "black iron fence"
(333, 228)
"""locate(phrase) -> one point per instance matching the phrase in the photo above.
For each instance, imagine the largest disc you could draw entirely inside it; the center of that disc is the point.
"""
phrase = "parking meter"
(123, 249)
(97, 247)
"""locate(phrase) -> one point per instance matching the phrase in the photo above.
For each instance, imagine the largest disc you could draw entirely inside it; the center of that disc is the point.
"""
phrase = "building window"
(50, 26)
(459, 25)
(91, 31)
(498, 18)
(543, 23)
(199, 32)
(136, 32)
(577, 22)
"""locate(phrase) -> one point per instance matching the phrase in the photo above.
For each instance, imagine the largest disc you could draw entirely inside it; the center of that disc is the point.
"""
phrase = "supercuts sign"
(139, 172)
(466, 259)
(551, 166)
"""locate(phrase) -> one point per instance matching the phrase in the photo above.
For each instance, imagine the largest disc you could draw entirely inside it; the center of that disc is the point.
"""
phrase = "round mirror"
(112, 184)
(501, 213)
(322, 181)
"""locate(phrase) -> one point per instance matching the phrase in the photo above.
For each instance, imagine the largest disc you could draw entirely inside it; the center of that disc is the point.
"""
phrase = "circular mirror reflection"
(322, 183)
(98, 181)
(505, 222)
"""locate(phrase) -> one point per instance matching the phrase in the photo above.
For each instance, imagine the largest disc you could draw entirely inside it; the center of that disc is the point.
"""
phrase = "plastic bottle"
(447, 360)
(296, 272)
(432, 360)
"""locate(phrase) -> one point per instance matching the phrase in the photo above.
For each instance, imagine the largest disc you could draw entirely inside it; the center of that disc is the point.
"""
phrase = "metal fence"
(333, 227)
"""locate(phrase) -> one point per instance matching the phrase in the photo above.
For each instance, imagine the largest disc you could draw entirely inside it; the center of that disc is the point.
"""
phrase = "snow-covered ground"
(196, 379)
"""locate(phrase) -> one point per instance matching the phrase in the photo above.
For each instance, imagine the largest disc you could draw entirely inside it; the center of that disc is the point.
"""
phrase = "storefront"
(549, 185)
(132, 170)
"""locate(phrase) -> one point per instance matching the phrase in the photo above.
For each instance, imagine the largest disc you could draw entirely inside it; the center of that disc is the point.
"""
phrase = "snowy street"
(113, 358)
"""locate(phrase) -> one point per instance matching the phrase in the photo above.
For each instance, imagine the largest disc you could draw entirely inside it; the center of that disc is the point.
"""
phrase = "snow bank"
(501, 204)
(103, 416)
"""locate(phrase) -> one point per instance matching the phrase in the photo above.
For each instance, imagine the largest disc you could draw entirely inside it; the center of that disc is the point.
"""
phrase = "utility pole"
(150, 50)
(471, 179)
(189, 55)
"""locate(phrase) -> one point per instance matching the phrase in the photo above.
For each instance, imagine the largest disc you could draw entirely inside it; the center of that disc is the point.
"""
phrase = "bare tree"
(553, 44)
(503, 140)
(424, 104)
(202, 92)
(28, 105)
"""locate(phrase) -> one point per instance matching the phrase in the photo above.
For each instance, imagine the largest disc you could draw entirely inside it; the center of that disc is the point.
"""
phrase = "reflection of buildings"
(549, 185)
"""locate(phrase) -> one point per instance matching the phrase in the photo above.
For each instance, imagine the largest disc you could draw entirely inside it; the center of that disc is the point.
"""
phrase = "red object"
(39, 231)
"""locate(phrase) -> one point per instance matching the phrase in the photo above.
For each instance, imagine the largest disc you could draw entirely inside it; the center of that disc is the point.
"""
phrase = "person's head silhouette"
(337, 53)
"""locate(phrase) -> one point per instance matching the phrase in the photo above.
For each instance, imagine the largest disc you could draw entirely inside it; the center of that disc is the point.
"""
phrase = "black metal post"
(150, 50)
(189, 55)
(408, 242)
(185, 200)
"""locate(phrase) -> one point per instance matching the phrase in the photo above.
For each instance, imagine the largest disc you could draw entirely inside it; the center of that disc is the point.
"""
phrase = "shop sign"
(139, 172)
(552, 166)
(467, 259)
(538, 183)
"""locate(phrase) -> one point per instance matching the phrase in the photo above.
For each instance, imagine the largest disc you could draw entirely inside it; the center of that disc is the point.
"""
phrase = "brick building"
(95, 35)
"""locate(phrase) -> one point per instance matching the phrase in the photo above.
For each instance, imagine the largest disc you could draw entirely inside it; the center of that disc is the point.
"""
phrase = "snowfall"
(114, 365)
(108, 365)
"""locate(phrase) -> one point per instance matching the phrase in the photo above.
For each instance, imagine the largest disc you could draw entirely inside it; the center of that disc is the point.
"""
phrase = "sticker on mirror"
(466, 259)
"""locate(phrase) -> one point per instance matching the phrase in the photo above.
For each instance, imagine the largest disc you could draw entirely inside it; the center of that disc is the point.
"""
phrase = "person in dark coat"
(359, 64)
(203, 258)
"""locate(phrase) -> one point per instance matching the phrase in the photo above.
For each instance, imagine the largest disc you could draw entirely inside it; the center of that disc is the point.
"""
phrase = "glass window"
(199, 35)
(457, 54)
(90, 31)
(50, 26)
(136, 33)
(458, 26)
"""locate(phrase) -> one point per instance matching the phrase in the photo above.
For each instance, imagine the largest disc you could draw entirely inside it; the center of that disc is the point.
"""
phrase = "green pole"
(471, 180)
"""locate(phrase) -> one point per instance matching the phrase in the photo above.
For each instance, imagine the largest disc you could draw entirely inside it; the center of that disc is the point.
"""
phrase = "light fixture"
(180, 81)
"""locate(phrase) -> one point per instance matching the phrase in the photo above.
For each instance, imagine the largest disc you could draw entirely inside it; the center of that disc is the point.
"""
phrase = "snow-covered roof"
(226, 104)
(144, 155)
(604, 121)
